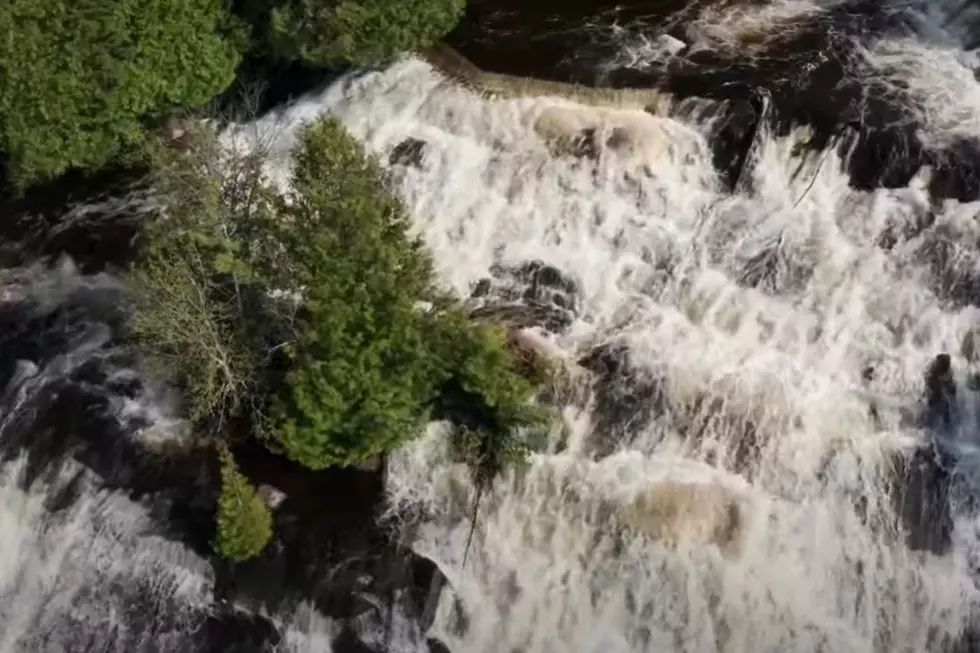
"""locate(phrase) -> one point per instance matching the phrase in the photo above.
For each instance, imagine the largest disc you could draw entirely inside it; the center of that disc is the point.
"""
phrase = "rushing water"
(744, 460)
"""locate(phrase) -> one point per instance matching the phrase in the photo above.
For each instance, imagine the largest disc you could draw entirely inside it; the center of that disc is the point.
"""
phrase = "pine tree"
(244, 520)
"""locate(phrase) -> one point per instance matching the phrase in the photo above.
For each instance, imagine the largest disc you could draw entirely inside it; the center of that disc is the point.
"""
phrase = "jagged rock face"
(532, 294)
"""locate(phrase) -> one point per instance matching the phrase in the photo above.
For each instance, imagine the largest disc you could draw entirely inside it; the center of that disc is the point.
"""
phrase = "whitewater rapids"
(772, 301)
(730, 487)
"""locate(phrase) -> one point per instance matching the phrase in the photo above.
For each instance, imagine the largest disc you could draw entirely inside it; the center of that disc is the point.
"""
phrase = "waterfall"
(767, 435)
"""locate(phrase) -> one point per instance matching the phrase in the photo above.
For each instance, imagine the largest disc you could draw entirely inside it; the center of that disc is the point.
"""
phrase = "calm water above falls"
(751, 459)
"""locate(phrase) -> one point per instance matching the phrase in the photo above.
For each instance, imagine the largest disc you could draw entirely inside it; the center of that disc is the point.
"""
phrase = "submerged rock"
(940, 393)
(410, 152)
(229, 630)
(921, 486)
(687, 514)
(627, 398)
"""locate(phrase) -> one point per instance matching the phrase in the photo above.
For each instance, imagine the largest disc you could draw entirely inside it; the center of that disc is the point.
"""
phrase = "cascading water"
(749, 459)
(785, 345)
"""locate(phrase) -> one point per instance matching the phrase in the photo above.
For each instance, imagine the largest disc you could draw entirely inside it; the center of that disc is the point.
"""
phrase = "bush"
(369, 349)
(360, 32)
(486, 394)
(78, 75)
(244, 521)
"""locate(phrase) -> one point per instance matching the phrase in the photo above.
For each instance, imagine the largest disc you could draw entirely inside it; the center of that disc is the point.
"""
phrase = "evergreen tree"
(360, 32)
(244, 520)
(79, 75)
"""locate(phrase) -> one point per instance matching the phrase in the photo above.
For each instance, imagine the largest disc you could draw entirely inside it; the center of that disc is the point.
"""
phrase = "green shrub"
(486, 393)
(244, 521)
(360, 32)
(78, 75)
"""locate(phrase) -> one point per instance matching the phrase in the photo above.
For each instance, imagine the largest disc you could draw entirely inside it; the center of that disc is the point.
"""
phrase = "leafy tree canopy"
(359, 32)
(76, 76)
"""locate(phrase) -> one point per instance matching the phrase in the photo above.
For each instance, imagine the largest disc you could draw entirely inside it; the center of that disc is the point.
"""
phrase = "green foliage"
(361, 366)
(78, 75)
(367, 350)
(244, 522)
(192, 289)
(360, 32)
(486, 393)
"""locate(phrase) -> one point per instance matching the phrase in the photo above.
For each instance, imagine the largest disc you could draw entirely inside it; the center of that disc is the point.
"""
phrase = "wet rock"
(922, 482)
(583, 145)
(228, 630)
(335, 554)
(348, 642)
(627, 399)
(867, 377)
(949, 251)
(436, 645)
(541, 276)
(956, 172)
(940, 393)
(733, 128)
(481, 288)
(532, 294)
(518, 316)
(887, 157)
(273, 497)
(95, 219)
(410, 152)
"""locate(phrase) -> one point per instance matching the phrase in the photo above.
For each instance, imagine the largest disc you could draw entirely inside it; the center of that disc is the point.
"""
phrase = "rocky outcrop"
(448, 61)
(922, 482)
(533, 294)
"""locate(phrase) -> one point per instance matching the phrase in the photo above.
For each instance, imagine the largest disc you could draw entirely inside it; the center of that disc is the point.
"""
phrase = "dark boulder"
(228, 630)
(533, 294)
(336, 554)
(732, 129)
(940, 393)
(922, 482)
(410, 152)
(436, 646)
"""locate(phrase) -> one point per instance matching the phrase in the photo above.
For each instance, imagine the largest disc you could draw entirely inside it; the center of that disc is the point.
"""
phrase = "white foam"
(547, 572)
